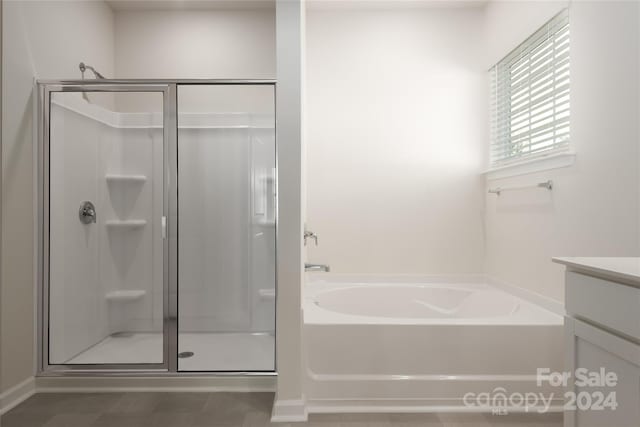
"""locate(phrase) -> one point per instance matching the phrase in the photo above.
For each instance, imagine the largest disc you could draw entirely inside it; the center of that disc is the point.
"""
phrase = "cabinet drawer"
(613, 305)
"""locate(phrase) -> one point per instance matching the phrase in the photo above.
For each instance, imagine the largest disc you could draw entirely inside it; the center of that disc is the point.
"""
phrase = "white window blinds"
(530, 96)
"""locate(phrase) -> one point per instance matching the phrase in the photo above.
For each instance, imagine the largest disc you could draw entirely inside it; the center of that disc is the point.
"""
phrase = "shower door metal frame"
(45, 91)
(168, 88)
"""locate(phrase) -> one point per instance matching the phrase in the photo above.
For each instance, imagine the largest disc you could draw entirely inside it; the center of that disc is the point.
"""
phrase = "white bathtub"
(421, 344)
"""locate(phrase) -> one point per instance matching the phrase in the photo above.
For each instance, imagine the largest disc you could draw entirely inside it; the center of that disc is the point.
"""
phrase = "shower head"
(83, 67)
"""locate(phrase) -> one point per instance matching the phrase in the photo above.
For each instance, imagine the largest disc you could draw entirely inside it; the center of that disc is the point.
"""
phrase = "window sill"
(543, 163)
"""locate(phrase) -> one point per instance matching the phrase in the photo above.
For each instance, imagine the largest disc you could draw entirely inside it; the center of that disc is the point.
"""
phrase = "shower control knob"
(87, 212)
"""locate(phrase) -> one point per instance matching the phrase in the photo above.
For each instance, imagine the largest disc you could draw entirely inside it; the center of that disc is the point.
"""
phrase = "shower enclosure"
(157, 214)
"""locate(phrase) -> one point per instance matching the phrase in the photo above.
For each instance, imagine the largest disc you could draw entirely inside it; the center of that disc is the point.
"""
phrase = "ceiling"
(129, 5)
(393, 4)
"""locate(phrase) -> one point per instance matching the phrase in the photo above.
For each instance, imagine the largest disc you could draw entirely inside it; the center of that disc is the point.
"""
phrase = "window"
(530, 97)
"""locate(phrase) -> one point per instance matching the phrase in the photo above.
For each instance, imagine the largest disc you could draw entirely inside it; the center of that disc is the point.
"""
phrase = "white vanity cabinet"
(602, 342)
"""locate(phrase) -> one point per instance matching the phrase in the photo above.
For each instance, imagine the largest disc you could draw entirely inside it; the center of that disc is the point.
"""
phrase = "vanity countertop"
(624, 269)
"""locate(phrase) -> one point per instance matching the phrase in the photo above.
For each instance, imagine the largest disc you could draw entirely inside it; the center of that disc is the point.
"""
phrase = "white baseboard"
(338, 406)
(17, 394)
(155, 384)
(288, 411)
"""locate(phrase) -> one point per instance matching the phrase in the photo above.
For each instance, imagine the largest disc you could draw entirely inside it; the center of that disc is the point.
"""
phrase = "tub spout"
(316, 267)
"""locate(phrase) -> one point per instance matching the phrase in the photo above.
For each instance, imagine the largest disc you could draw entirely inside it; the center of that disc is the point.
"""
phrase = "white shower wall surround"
(108, 276)
(91, 262)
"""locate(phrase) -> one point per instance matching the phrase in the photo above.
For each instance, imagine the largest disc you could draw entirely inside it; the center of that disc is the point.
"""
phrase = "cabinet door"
(594, 349)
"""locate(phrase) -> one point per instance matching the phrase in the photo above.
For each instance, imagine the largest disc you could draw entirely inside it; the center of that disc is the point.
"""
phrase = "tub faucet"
(316, 267)
(310, 235)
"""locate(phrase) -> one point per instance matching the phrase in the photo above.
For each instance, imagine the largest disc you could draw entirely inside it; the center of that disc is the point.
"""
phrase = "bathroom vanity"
(602, 341)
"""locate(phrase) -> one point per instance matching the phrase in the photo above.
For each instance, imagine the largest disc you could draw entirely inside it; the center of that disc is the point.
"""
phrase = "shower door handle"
(163, 224)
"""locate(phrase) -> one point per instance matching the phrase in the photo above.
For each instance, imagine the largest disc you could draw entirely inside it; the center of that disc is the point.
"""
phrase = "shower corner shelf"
(126, 224)
(123, 178)
(265, 223)
(125, 295)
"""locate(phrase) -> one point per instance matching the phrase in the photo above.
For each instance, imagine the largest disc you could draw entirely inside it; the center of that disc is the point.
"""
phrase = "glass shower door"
(226, 227)
(103, 226)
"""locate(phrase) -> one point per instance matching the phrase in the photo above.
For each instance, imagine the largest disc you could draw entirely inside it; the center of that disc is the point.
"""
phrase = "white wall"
(289, 404)
(593, 209)
(396, 114)
(393, 176)
(41, 39)
(235, 44)
(197, 44)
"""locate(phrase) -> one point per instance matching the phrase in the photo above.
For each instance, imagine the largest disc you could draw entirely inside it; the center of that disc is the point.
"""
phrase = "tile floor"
(221, 409)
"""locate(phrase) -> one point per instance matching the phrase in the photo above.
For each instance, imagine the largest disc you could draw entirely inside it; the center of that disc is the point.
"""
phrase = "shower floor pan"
(211, 351)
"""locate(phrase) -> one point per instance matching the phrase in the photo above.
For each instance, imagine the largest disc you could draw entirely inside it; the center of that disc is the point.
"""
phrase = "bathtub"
(423, 344)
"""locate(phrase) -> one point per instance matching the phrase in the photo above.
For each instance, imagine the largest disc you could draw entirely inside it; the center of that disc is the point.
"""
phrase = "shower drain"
(185, 354)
